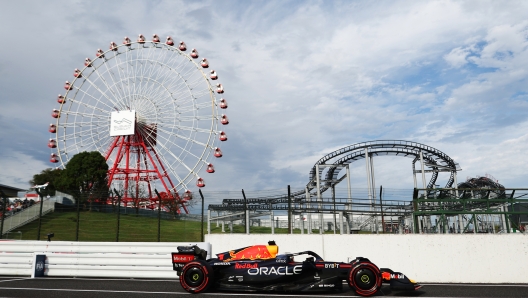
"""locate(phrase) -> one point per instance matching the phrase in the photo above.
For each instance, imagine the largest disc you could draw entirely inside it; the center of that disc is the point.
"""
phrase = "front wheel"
(365, 279)
(196, 276)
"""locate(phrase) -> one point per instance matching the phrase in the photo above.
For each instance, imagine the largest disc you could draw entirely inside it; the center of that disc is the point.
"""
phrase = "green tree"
(85, 177)
(48, 175)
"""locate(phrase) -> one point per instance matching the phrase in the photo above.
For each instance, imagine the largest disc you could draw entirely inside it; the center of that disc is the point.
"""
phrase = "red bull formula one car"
(260, 268)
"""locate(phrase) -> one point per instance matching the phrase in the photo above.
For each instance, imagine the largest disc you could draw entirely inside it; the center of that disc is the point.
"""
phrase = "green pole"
(245, 210)
(118, 213)
(415, 209)
(289, 212)
(40, 212)
(381, 209)
(159, 214)
(3, 212)
(202, 232)
(78, 217)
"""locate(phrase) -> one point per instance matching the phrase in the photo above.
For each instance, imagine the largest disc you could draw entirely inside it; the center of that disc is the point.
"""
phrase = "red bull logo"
(246, 265)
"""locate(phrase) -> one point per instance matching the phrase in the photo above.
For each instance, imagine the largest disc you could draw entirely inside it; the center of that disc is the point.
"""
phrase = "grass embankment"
(99, 226)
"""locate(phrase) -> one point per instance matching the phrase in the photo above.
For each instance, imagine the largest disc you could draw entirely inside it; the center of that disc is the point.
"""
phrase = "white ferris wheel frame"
(68, 136)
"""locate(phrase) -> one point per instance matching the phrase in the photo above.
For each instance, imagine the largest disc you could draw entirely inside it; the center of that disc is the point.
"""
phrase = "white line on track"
(477, 285)
(275, 295)
(99, 291)
(173, 293)
(14, 279)
(80, 278)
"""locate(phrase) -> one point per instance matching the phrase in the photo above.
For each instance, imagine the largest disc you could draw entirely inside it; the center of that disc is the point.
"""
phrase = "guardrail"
(92, 259)
(27, 215)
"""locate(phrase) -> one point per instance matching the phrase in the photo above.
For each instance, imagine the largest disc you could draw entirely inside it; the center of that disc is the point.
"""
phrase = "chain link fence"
(96, 219)
(101, 217)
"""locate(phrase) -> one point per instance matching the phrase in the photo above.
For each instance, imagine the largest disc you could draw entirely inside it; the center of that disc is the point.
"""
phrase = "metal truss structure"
(456, 208)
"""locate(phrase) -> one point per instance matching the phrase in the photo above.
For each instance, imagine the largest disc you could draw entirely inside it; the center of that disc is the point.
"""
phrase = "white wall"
(448, 258)
(92, 259)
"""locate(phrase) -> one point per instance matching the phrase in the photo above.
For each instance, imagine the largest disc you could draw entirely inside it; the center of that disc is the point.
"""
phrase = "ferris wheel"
(150, 109)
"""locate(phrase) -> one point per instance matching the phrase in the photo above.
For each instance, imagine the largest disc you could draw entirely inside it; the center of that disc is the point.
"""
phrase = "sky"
(302, 78)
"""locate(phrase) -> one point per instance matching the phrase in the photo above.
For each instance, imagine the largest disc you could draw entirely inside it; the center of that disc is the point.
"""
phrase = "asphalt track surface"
(110, 288)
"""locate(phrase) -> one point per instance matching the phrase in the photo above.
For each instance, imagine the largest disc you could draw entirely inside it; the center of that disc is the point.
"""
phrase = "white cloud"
(19, 168)
(457, 57)
(301, 79)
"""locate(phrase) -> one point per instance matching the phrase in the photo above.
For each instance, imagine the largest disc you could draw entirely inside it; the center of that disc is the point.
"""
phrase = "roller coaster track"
(435, 160)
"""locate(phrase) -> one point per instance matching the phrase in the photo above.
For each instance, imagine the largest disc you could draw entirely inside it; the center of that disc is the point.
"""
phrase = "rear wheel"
(196, 277)
(365, 279)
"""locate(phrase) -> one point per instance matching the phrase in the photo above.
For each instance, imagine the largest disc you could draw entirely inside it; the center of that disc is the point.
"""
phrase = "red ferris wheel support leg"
(145, 168)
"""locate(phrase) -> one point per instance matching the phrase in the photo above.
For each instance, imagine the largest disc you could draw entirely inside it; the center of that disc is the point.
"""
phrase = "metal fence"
(431, 211)
(399, 211)
(66, 218)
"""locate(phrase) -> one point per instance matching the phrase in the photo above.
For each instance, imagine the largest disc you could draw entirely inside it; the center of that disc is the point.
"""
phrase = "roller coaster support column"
(301, 223)
(340, 222)
(427, 218)
(413, 218)
(414, 176)
(374, 199)
(319, 199)
(459, 217)
(367, 167)
(309, 206)
(333, 199)
(349, 205)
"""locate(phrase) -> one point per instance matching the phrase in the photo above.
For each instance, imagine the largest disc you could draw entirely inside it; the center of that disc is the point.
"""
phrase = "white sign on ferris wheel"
(122, 123)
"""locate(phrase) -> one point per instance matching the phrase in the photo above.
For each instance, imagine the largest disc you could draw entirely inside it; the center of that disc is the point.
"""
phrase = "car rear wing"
(185, 255)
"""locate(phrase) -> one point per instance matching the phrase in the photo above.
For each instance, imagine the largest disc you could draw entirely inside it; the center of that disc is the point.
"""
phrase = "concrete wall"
(449, 258)
(92, 259)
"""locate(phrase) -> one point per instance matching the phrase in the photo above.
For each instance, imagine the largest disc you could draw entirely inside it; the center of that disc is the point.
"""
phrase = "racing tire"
(196, 277)
(365, 279)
